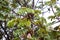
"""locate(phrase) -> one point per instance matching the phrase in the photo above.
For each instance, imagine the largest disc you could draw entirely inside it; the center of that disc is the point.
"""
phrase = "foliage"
(27, 24)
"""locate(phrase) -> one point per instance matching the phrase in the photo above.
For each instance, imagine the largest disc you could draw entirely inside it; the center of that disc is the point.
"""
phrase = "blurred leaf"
(1, 15)
(38, 23)
(4, 6)
(5, 3)
(58, 14)
(16, 38)
(28, 23)
(53, 34)
(28, 10)
(41, 32)
(48, 3)
(37, 11)
(24, 22)
(43, 19)
(53, 1)
(23, 10)
(51, 17)
(17, 32)
(11, 23)
(14, 5)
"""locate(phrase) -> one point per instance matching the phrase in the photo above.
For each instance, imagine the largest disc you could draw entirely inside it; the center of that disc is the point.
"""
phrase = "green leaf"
(28, 10)
(17, 32)
(24, 9)
(11, 23)
(28, 23)
(37, 11)
(41, 32)
(58, 14)
(5, 3)
(43, 19)
(38, 23)
(51, 17)
(16, 38)
(24, 22)
(14, 5)
(1, 16)
(48, 3)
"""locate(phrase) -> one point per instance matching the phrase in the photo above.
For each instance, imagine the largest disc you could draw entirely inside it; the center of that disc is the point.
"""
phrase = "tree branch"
(18, 2)
(33, 5)
(15, 12)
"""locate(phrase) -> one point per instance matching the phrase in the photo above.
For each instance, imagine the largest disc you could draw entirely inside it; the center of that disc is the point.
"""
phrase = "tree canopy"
(23, 20)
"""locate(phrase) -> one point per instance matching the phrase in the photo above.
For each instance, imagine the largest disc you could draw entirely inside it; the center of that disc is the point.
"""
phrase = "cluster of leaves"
(29, 25)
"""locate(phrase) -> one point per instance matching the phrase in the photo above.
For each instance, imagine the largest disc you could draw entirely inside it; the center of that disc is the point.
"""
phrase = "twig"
(37, 2)
(52, 8)
(33, 5)
(15, 12)
(18, 2)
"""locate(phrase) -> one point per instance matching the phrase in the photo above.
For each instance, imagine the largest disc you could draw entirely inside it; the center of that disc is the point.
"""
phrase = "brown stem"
(33, 5)
(52, 8)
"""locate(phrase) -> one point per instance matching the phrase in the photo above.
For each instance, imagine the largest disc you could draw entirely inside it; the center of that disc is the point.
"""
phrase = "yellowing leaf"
(53, 1)
(37, 11)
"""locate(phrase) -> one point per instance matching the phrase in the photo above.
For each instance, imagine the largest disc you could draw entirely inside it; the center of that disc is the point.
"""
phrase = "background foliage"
(21, 20)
